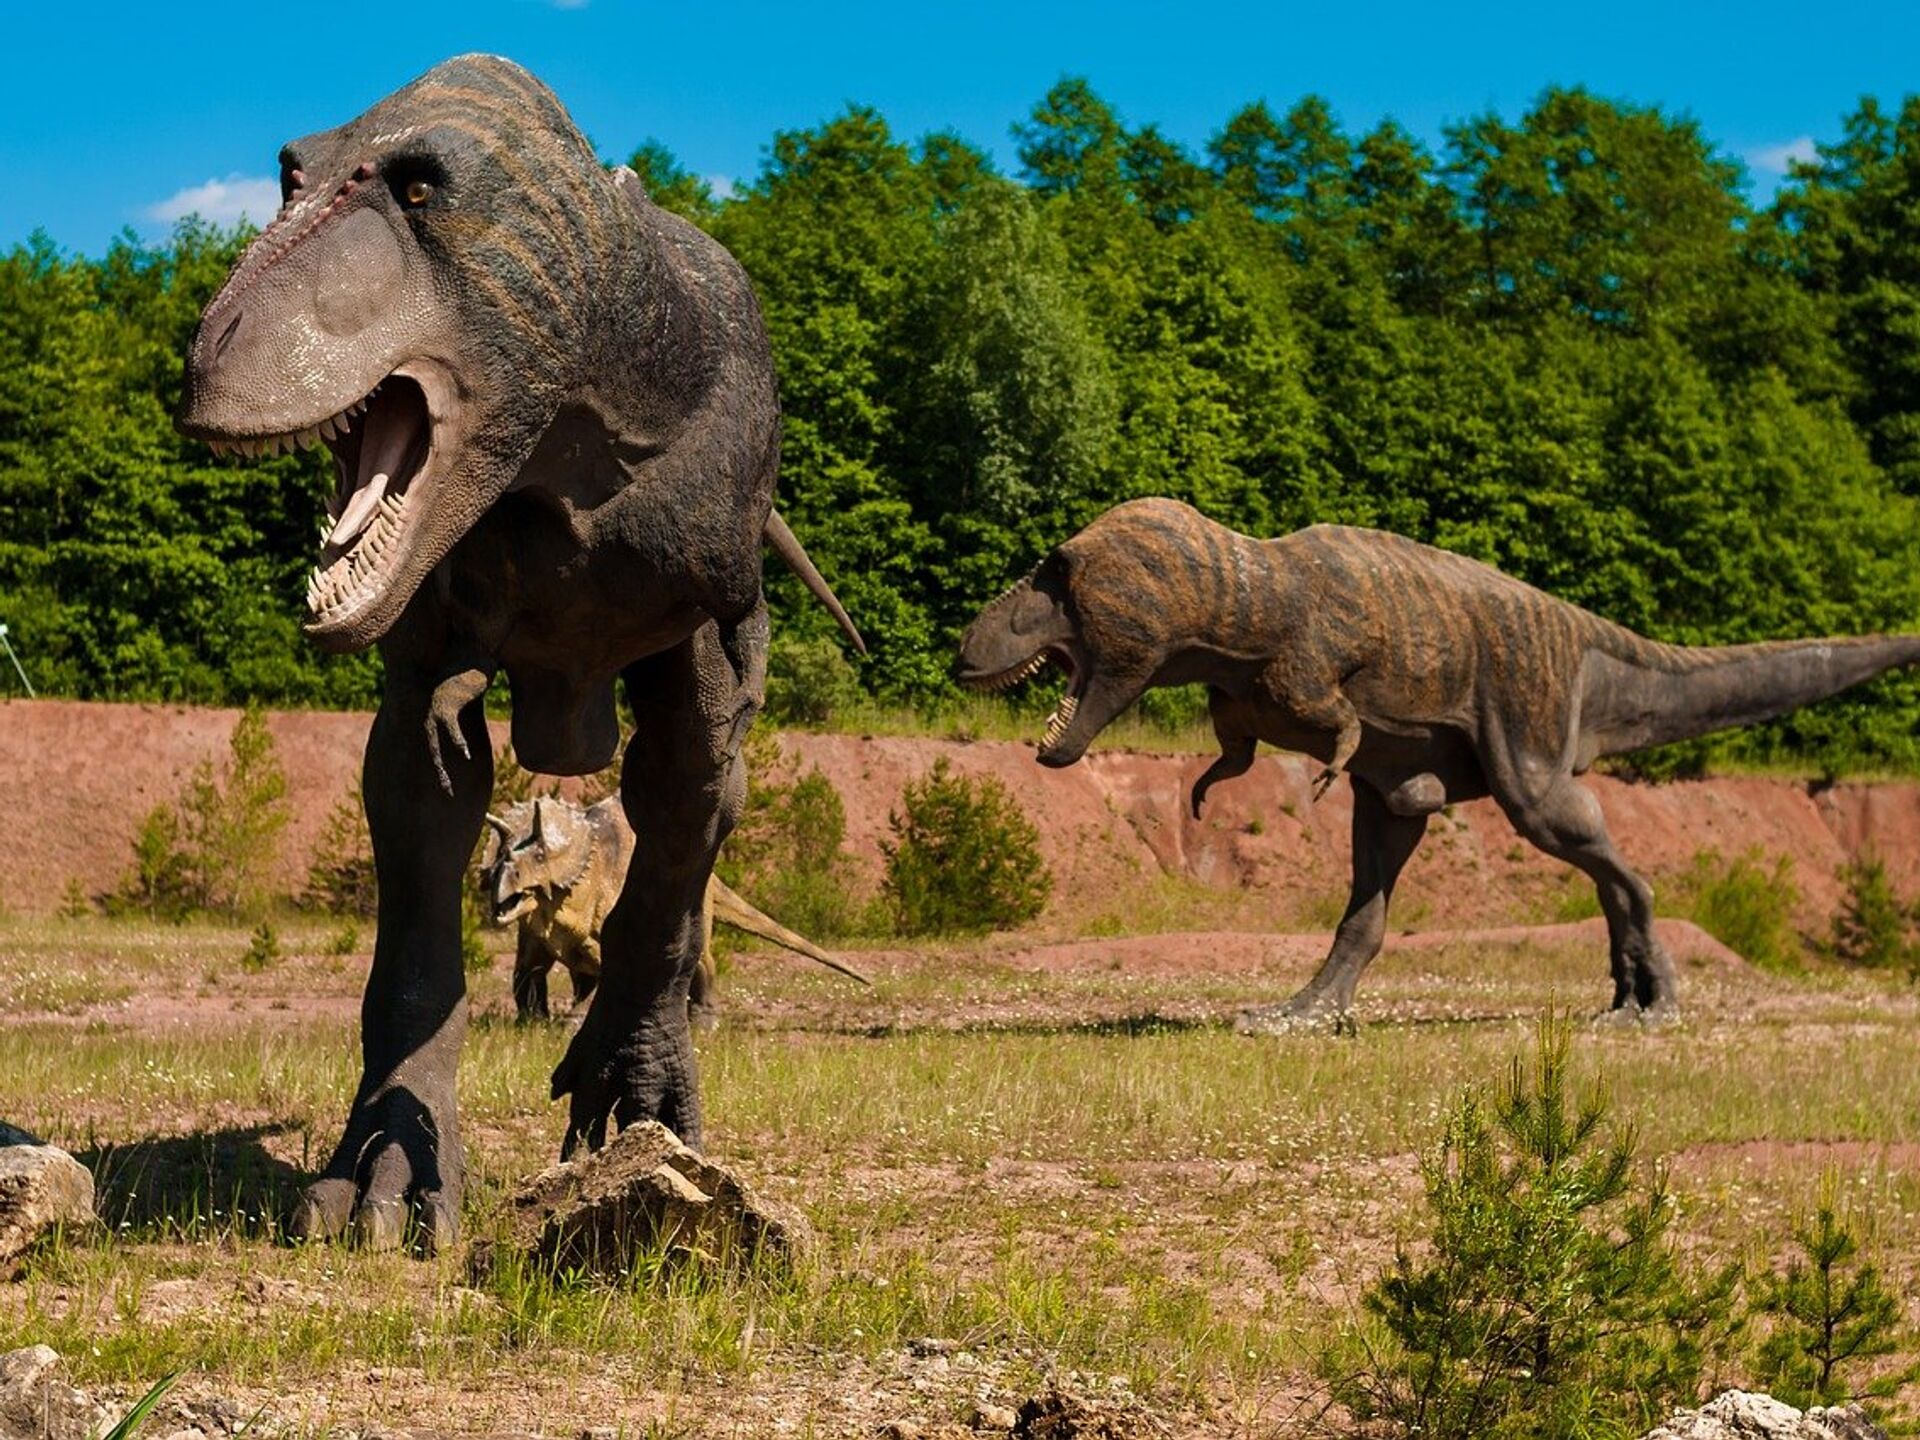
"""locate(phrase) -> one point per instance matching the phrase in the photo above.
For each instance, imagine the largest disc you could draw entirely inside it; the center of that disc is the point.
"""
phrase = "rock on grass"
(643, 1194)
(1740, 1415)
(36, 1401)
(41, 1189)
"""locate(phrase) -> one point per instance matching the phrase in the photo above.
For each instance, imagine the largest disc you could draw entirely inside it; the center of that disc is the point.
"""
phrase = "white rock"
(1741, 1415)
(41, 1187)
(36, 1403)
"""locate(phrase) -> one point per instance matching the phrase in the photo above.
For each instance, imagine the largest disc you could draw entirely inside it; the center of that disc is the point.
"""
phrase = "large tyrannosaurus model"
(552, 410)
(556, 871)
(1428, 677)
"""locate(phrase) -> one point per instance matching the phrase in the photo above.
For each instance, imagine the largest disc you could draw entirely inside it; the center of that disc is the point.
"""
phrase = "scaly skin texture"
(552, 409)
(556, 869)
(1426, 677)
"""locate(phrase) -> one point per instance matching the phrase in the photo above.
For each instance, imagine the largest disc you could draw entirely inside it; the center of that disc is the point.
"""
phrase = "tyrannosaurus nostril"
(226, 336)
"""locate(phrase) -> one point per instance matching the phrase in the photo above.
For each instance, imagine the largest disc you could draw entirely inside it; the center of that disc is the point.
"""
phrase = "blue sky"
(116, 115)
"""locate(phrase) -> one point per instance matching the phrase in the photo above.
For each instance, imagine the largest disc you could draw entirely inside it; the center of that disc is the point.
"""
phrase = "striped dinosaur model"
(555, 871)
(1427, 677)
(552, 413)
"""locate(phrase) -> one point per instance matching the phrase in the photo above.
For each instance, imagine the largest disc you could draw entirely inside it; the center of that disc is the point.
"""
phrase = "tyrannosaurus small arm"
(1427, 677)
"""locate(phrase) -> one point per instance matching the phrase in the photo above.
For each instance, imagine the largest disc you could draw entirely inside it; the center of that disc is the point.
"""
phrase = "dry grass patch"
(1046, 1170)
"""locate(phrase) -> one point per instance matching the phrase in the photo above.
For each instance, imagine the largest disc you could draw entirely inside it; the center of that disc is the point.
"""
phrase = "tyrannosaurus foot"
(1633, 1015)
(399, 1160)
(624, 1067)
(1296, 1018)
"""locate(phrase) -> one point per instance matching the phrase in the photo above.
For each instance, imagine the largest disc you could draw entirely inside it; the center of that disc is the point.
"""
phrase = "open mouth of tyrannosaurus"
(1061, 657)
(382, 446)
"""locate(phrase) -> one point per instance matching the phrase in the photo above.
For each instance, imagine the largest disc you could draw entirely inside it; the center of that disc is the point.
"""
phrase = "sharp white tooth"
(343, 422)
(360, 509)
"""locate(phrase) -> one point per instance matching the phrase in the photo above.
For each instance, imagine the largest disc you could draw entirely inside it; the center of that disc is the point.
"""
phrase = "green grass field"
(1063, 1171)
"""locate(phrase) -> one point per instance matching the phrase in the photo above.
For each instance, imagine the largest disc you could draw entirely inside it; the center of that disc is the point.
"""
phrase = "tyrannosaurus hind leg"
(1383, 842)
(1565, 821)
(683, 784)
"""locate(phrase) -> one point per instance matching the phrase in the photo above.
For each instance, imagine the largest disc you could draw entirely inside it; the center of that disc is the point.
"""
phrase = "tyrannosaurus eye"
(418, 192)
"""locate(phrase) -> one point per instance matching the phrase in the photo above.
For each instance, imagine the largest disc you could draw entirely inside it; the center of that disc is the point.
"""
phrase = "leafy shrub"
(158, 881)
(1873, 928)
(788, 853)
(808, 682)
(1550, 1302)
(263, 948)
(74, 900)
(964, 858)
(1828, 1310)
(1746, 904)
(214, 849)
(340, 878)
(1171, 709)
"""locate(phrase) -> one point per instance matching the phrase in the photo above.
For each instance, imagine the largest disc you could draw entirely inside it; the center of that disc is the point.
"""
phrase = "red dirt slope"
(77, 778)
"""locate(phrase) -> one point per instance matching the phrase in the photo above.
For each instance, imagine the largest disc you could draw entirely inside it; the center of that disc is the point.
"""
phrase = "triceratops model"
(1426, 677)
(557, 869)
(552, 415)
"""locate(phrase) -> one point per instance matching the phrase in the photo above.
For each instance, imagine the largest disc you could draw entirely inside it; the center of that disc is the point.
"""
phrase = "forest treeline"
(1565, 344)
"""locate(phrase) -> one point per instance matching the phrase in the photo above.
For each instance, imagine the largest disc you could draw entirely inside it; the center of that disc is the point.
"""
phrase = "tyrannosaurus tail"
(1689, 691)
(729, 908)
(787, 546)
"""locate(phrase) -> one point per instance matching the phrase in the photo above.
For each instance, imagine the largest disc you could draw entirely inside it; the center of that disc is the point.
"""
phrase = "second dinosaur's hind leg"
(531, 961)
(701, 997)
(1565, 821)
(1383, 842)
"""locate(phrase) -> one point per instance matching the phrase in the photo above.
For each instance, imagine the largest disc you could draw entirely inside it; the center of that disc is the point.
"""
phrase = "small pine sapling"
(1829, 1310)
(1550, 1302)
(1873, 928)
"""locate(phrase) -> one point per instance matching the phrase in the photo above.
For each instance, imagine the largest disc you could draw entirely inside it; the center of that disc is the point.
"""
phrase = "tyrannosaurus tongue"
(390, 433)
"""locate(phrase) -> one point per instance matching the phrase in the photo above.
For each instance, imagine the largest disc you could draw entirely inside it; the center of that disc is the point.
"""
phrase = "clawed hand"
(1323, 782)
(450, 697)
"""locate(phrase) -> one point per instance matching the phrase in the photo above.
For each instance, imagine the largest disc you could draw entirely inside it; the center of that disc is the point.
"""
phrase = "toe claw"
(438, 1221)
(322, 1210)
(379, 1225)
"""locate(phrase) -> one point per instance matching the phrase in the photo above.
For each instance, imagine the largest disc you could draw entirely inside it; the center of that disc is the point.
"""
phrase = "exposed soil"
(79, 777)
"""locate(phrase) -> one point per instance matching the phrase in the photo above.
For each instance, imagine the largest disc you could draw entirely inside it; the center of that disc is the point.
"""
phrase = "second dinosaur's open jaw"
(1063, 712)
(380, 460)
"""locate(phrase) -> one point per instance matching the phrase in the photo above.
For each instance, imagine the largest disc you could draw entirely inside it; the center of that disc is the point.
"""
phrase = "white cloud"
(721, 186)
(256, 197)
(1776, 159)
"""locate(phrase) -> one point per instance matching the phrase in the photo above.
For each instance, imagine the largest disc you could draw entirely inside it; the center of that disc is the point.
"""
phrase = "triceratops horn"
(499, 826)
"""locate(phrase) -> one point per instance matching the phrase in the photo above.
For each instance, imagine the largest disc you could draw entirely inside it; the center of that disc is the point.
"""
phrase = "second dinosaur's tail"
(730, 909)
(1663, 693)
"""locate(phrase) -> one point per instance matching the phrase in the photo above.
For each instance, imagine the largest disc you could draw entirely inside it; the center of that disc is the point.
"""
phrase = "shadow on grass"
(190, 1184)
(1124, 1027)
